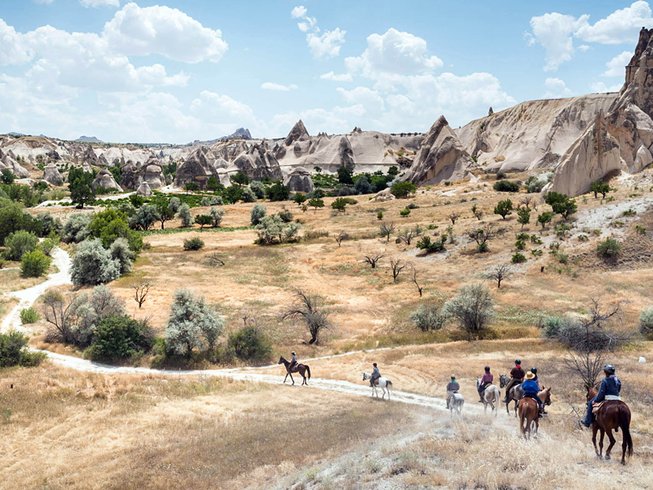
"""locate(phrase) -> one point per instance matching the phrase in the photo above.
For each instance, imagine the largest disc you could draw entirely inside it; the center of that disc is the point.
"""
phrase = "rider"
(609, 390)
(486, 380)
(293, 361)
(376, 374)
(539, 387)
(516, 377)
(452, 388)
(531, 389)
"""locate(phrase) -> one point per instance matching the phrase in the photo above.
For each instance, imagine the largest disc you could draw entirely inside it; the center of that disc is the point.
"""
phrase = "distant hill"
(239, 134)
(88, 139)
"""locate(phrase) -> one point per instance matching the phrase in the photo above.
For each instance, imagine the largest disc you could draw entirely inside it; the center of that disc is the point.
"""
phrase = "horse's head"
(546, 395)
(364, 376)
(281, 360)
(591, 393)
(503, 380)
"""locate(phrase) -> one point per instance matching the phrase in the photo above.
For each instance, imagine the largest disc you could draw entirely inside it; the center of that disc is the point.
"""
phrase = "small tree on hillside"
(545, 218)
(499, 273)
(373, 259)
(523, 216)
(185, 216)
(316, 203)
(453, 216)
(141, 290)
(309, 309)
(503, 208)
(396, 267)
(386, 230)
(473, 308)
(481, 236)
(165, 210)
(600, 187)
(80, 184)
(477, 212)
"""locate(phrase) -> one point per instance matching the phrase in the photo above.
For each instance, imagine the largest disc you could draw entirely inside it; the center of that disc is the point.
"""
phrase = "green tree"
(7, 176)
(523, 216)
(203, 220)
(213, 184)
(93, 264)
(19, 243)
(340, 204)
(164, 211)
(545, 218)
(34, 264)
(473, 308)
(503, 208)
(239, 178)
(278, 192)
(345, 176)
(120, 337)
(600, 187)
(316, 203)
(402, 189)
(257, 214)
(561, 204)
(299, 198)
(80, 184)
(250, 344)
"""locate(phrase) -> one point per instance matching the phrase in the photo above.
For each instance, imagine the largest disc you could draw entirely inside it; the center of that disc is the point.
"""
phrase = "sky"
(176, 71)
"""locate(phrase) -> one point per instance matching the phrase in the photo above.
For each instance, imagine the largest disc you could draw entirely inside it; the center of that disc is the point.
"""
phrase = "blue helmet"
(609, 369)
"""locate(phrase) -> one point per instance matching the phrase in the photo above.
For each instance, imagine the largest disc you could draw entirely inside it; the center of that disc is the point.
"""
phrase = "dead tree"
(420, 289)
(478, 213)
(499, 273)
(453, 216)
(309, 309)
(481, 236)
(340, 237)
(396, 266)
(386, 230)
(141, 290)
(373, 259)
(407, 235)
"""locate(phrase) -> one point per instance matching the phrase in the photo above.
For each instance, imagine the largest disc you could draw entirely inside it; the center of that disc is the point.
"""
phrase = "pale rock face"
(153, 175)
(299, 180)
(297, 133)
(144, 190)
(105, 180)
(441, 156)
(52, 176)
(384, 195)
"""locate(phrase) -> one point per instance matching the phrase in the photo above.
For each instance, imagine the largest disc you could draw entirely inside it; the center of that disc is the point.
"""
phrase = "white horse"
(491, 396)
(456, 403)
(382, 383)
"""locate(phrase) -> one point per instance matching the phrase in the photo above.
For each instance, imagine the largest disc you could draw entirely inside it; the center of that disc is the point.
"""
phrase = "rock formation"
(152, 173)
(297, 133)
(441, 156)
(299, 180)
(105, 180)
(51, 175)
(144, 190)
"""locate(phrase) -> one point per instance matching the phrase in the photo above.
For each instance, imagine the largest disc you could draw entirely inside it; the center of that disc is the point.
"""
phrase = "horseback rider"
(452, 388)
(293, 361)
(376, 374)
(531, 390)
(486, 380)
(516, 377)
(539, 387)
(609, 390)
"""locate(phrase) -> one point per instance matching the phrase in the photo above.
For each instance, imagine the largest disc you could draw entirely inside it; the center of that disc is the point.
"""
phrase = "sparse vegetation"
(473, 309)
(609, 249)
(310, 310)
(506, 186)
(193, 243)
(504, 208)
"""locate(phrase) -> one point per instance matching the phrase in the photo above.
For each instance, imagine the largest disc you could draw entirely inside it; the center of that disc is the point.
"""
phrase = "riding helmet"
(609, 368)
(487, 369)
(293, 354)
(534, 371)
(374, 364)
(452, 377)
(517, 361)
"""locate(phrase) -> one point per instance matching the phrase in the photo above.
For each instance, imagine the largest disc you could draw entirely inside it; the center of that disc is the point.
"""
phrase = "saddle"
(608, 398)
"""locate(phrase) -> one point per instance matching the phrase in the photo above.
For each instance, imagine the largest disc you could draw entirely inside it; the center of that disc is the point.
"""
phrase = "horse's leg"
(612, 441)
(291, 378)
(595, 429)
(303, 377)
(601, 443)
(284, 379)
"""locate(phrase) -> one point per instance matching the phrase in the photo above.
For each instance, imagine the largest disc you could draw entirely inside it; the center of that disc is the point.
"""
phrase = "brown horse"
(529, 413)
(299, 368)
(612, 415)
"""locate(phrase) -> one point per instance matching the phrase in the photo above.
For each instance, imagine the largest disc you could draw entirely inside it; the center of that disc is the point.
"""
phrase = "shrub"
(29, 315)
(506, 186)
(194, 243)
(203, 220)
(363, 185)
(144, 218)
(192, 326)
(534, 184)
(285, 215)
(316, 203)
(19, 243)
(120, 337)
(121, 253)
(609, 249)
(185, 216)
(545, 218)
(428, 318)
(248, 195)
(518, 258)
(299, 198)
(273, 230)
(12, 218)
(553, 325)
(523, 216)
(93, 264)
(646, 323)
(45, 225)
(379, 215)
(404, 212)
(561, 204)
(250, 344)
(473, 308)
(278, 192)
(503, 208)
(600, 187)
(432, 246)
(47, 245)
(402, 189)
(34, 264)
(14, 352)
(216, 217)
(110, 224)
(80, 185)
(257, 188)
(7, 176)
(258, 213)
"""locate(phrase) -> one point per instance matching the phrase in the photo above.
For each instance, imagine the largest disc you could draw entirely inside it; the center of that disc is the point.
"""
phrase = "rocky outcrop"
(104, 180)
(129, 176)
(52, 176)
(441, 156)
(196, 169)
(144, 190)
(152, 173)
(259, 163)
(297, 133)
(346, 153)
(17, 169)
(299, 180)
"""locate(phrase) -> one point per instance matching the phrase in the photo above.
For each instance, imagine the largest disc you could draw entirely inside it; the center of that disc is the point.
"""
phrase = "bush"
(404, 212)
(216, 217)
(203, 220)
(93, 264)
(121, 252)
(120, 337)
(258, 213)
(428, 318)
(609, 249)
(257, 188)
(402, 189)
(192, 326)
(19, 243)
(45, 225)
(250, 344)
(47, 245)
(12, 218)
(429, 246)
(503, 208)
(278, 192)
(561, 204)
(34, 264)
(185, 216)
(29, 315)
(273, 230)
(194, 243)
(646, 323)
(110, 224)
(552, 326)
(473, 308)
(144, 218)
(518, 258)
(506, 186)
(248, 195)
(14, 352)
(534, 184)
(285, 215)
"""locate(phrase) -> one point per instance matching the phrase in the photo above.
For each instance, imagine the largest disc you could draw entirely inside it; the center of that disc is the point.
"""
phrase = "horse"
(515, 393)
(529, 412)
(491, 395)
(611, 415)
(299, 368)
(383, 383)
(456, 403)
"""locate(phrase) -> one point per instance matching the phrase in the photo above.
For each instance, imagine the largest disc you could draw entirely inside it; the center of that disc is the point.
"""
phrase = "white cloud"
(164, 31)
(278, 87)
(322, 45)
(369, 99)
(556, 88)
(600, 87)
(553, 31)
(337, 77)
(13, 50)
(220, 105)
(621, 26)
(556, 32)
(100, 3)
(615, 67)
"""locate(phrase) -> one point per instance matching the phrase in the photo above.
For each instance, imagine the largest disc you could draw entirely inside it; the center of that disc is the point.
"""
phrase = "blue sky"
(175, 71)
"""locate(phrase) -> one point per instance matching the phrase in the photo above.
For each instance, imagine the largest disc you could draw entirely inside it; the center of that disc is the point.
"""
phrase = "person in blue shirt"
(609, 390)
(531, 389)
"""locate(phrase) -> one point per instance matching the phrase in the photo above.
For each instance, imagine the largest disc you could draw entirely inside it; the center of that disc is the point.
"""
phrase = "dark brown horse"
(612, 415)
(299, 368)
(529, 413)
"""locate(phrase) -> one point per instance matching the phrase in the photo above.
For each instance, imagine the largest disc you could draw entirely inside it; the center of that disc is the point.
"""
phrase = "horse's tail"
(624, 423)
(308, 370)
